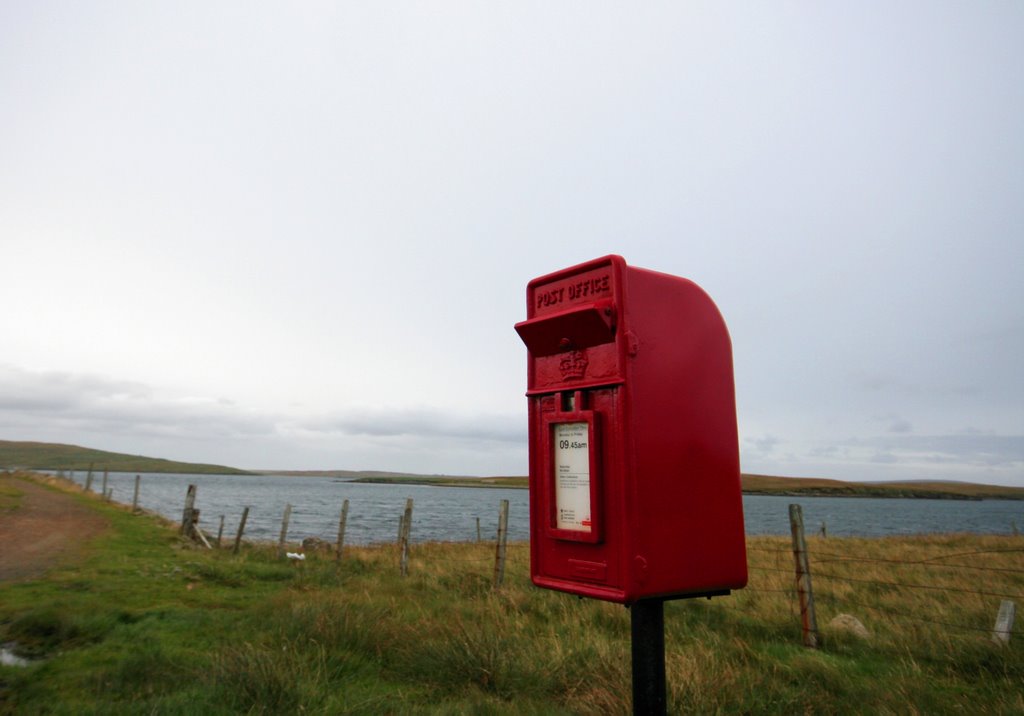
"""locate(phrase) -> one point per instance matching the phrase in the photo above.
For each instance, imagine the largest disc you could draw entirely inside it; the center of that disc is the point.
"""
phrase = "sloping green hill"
(757, 485)
(812, 486)
(55, 456)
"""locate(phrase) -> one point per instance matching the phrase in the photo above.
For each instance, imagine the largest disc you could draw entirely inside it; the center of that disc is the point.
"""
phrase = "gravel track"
(45, 529)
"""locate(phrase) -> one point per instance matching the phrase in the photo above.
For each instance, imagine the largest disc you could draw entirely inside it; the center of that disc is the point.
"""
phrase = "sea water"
(451, 513)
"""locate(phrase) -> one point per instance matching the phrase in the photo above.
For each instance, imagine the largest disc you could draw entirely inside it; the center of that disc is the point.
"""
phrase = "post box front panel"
(576, 535)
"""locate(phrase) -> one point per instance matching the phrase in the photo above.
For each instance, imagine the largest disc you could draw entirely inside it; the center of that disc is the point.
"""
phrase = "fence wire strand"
(837, 602)
(895, 614)
(772, 569)
(917, 563)
(875, 582)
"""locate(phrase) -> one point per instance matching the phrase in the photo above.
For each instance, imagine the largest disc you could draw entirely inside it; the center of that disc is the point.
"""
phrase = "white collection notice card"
(572, 477)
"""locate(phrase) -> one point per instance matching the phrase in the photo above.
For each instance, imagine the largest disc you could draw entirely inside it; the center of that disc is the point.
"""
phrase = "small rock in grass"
(315, 544)
(850, 624)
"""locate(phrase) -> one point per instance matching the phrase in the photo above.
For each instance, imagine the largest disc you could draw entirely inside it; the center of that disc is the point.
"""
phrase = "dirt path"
(45, 528)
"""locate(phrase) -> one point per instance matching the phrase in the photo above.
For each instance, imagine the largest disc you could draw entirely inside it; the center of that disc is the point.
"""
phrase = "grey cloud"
(169, 419)
(967, 449)
(897, 423)
(764, 444)
(904, 389)
(976, 449)
(824, 451)
(888, 384)
(884, 458)
(79, 408)
(84, 402)
(424, 424)
(900, 425)
(22, 390)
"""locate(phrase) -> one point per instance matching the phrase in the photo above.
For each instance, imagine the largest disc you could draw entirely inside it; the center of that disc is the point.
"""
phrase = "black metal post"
(647, 618)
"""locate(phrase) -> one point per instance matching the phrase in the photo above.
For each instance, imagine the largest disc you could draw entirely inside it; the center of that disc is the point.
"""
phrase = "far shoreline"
(862, 491)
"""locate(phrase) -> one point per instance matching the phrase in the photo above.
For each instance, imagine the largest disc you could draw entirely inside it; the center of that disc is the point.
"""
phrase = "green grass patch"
(148, 623)
(10, 496)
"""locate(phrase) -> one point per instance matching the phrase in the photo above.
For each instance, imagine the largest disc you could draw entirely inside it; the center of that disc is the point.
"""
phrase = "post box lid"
(570, 329)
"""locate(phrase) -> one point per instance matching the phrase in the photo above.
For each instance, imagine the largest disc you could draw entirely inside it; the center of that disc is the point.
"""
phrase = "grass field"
(10, 496)
(151, 624)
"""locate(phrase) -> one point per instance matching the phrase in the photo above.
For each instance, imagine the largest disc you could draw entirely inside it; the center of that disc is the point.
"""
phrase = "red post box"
(634, 456)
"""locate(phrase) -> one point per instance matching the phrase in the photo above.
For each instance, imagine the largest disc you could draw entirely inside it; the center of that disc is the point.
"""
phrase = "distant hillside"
(354, 474)
(443, 480)
(54, 456)
(769, 485)
(752, 485)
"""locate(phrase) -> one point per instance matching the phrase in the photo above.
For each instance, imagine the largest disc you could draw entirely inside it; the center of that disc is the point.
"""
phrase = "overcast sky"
(298, 235)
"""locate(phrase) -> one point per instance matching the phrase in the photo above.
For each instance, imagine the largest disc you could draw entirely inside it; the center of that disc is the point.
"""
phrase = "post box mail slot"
(634, 457)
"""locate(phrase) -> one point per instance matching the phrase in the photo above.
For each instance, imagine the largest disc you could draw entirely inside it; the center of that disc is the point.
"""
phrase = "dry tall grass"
(928, 604)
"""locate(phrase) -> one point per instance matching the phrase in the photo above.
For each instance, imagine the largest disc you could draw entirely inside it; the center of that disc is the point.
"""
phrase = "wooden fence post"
(341, 529)
(186, 515)
(808, 620)
(135, 497)
(220, 531)
(478, 535)
(1004, 622)
(284, 529)
(499, 555)
(401, 529)
(88, 479)
(104, 490)
(406, 529)
(197, 531)
(241, 530)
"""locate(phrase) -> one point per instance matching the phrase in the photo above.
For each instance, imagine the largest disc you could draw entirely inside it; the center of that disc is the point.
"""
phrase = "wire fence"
(926, 581)
(923, 598)
(874, 587)
(918, 589)
(927, 584)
